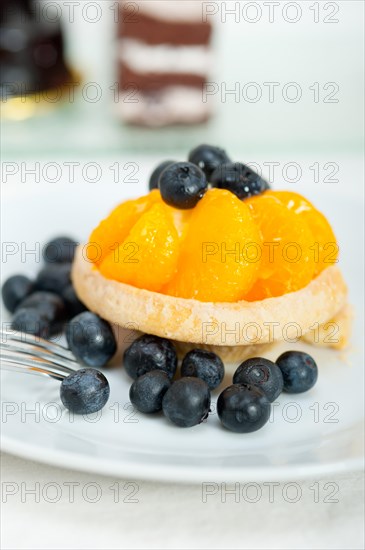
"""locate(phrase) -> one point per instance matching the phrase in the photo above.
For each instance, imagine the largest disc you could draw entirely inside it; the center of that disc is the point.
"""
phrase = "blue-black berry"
(149, 352)
(208, 158)
(146, 393)
(31, 321)
(187, 402)
(15, 290)
(91, 339)
(48, 303)
(84, 392)
(242, 408)
(73, 305)
(155, 176)
(299, 370)
(60, 250)
(54, 278)
(182, 185)
(262, 373)
(44, 310)
(205, 365)
(239, 179)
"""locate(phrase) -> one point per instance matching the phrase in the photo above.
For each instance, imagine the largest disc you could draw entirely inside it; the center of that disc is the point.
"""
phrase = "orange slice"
(148, 256)
(287, 263)
(114, 229)
(324, 248)
(219, 254)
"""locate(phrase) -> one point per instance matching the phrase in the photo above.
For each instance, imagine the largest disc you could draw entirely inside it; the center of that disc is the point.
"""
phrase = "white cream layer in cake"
(172, 105)
(165, 58)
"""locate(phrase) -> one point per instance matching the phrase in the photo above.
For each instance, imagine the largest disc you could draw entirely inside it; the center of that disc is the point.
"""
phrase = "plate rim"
(181, 475)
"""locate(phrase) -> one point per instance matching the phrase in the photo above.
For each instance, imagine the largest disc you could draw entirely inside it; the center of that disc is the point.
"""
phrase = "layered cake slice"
(164, 61)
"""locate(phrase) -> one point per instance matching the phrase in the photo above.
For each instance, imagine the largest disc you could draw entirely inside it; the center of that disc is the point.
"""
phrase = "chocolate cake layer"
(154, 81)
(141, 26)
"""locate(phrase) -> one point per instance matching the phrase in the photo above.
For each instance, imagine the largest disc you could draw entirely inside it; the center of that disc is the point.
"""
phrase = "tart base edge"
(241, 324)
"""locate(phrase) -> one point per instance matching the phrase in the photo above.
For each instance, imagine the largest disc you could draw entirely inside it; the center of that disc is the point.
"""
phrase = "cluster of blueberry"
(183, 184)
(243, 407)
(43, 306)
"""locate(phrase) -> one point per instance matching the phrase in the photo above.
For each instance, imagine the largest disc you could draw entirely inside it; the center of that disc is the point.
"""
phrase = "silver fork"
(23, 352)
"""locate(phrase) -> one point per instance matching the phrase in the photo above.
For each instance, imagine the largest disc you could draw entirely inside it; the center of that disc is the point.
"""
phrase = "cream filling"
(174, 104)
(163, 58)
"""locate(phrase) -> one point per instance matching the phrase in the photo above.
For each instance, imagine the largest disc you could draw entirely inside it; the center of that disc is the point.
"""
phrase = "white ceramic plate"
(316, 433)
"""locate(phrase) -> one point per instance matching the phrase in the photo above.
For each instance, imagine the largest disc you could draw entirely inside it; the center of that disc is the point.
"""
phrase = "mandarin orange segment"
(115, 228)
(325, 248)
(218, 259)
(287, 262)
(223, 250)
(148, 256)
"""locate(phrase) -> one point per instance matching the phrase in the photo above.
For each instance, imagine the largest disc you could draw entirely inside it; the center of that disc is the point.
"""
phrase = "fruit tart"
(212, 257)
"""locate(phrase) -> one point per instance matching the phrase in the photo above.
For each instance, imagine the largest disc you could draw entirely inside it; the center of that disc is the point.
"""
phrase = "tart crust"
(236, 329)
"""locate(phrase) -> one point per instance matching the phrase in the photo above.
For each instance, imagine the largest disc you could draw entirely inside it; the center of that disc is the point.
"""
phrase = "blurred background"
(282, 76)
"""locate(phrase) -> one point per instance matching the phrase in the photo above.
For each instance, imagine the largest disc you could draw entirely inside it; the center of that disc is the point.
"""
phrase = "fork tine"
(36, 341)
(31, 350)
(34, 362)
(21, 367)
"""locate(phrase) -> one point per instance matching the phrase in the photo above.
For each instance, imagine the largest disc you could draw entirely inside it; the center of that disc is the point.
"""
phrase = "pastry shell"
(234, 330)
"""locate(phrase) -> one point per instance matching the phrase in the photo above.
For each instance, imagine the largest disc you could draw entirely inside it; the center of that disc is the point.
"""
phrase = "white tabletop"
(327, 514)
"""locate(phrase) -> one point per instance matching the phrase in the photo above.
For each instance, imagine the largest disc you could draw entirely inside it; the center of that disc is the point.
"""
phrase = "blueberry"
(187, 402)
(31, 321)
(239, 179)
(73, 305)
(299, 371)
(261, 373)
(14, 290)
(85, 391)
(146, 393)
(54, 278)
(48, 303)
(148, 353)
(155, 176)
(60, 250)
(182, 185)
(50, 307)
(208, 158)
(205, 365)
(243, 408)
(91, 339)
